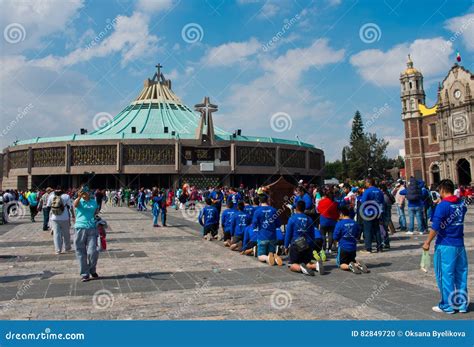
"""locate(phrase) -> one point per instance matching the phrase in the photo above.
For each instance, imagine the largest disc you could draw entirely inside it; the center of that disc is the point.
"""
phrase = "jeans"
(61, 234)
(163, 217)
(265, 247)
(46, 211)
(450, 266)
(371, 231)
(402, 220)
(86, 250)
(418, 212)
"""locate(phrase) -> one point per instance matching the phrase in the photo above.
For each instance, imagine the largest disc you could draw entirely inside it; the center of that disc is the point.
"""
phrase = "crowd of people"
(325, 222)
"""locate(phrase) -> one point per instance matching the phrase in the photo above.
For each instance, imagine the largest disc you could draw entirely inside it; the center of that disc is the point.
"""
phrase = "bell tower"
(412, 92)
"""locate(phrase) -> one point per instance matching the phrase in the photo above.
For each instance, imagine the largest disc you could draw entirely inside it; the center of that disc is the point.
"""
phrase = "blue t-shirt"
(33, 199)
(85, 214)
(208, 216)
(347, 233)
(226, 219)
(239, 222)
(317, 234)
(217, 195)
(250, 235)
(372, 202)
(235, 198)
(249, 209)
(448, 222)
(308, 202)
(299, 225)
(266, 220)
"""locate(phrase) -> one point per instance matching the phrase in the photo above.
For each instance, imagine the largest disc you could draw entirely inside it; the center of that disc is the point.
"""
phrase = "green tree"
(333, 170)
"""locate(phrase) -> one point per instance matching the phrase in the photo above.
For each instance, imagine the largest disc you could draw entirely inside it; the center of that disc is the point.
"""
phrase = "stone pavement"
(171, 273)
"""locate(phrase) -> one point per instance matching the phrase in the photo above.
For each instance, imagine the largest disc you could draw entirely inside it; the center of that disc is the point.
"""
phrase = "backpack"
(57, 205)
(414, 190)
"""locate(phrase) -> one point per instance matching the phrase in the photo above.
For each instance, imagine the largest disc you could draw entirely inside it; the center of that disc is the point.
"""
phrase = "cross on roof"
(158, 70)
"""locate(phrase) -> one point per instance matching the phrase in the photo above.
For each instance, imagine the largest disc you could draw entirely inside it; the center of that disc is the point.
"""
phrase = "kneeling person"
(299, 238)
(240, 220)
(209, 219)
(346, 233)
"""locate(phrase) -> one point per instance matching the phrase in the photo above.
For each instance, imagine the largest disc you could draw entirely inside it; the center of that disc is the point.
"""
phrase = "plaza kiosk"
(281, 193)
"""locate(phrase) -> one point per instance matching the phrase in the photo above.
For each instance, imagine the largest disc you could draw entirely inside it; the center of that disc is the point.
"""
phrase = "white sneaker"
(438, 310)
(409, 233)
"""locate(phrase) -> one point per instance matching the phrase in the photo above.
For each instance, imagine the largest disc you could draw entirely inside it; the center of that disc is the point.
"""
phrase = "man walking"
(60, 206)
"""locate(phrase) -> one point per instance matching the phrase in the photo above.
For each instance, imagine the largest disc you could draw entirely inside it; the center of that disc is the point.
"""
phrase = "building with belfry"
(439, 139)
(158, 141)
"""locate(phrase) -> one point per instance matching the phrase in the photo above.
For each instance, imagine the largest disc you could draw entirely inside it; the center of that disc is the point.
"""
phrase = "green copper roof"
(156, 113)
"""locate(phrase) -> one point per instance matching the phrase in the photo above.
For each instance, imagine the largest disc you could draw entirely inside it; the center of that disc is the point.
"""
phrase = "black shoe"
(85, 279)
(305, 270)
(95, 275)
(354, 268)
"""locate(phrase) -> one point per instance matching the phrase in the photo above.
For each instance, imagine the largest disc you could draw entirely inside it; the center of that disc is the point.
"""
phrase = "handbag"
(300, 244)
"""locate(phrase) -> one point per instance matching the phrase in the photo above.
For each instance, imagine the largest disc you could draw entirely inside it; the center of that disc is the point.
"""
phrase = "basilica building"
(439, 138)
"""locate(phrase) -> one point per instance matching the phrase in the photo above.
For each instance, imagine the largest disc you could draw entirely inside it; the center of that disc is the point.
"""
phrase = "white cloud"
(432, 57)
(151, 6)
(280, 89)
(334, 2)
(130, 37)
(232, 52)
(462, 27)
(39, 20)
(268, 10)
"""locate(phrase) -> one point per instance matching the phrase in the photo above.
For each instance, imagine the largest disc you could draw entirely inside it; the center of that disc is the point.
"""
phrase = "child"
(209, 219)
(299, 240)
(159, 205)
(346, 233)
(266, 220)
(240, 220)
(226, 221)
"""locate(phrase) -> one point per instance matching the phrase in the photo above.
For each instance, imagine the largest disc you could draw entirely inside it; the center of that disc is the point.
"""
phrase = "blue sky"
(276, 68)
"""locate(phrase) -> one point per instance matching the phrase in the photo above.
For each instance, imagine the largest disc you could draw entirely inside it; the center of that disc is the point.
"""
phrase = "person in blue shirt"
(347, 234)
(209, 219)
(299, 239)
(159, 206)
(217, 197)
(249, 244)
(248, 208)
(234, 196)
(450, 259)
(302, 195)
(87, 233)
(226, 221)
(240, 220)
(371, 210)
(415, 195)
(33, 203)
(266, 220)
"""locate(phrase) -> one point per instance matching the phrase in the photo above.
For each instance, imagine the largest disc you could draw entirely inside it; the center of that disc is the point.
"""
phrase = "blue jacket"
(239, 222)
(208, 216)
(266, 220)
(347, 233)
(448, 222)
(299, 225)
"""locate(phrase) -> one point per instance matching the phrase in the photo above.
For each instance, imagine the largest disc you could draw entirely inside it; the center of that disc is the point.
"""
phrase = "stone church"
(439, 140)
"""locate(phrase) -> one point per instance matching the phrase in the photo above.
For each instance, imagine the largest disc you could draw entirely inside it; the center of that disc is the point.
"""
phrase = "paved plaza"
(171, 273)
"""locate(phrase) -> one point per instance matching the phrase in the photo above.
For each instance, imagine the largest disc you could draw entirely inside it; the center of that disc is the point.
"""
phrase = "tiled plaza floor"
(170, 273)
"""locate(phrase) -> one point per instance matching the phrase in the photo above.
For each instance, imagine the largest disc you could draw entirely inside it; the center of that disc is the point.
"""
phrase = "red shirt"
(328, 208)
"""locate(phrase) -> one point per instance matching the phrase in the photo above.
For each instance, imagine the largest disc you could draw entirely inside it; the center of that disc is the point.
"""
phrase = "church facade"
(439, 140)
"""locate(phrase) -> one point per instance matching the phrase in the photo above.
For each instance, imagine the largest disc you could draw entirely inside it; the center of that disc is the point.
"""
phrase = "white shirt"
(67, 203)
